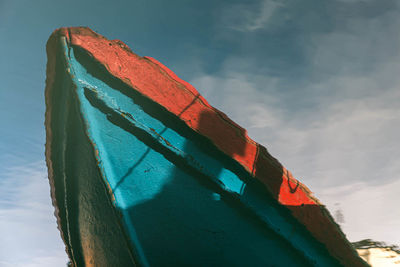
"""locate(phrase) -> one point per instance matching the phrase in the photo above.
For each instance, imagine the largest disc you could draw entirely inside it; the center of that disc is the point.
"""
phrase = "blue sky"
(316, 82)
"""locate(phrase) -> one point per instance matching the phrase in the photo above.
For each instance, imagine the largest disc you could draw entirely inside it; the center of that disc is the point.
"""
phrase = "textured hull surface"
(145, 172)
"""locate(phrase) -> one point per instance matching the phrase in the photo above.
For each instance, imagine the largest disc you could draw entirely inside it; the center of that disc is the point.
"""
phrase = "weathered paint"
(179, 172)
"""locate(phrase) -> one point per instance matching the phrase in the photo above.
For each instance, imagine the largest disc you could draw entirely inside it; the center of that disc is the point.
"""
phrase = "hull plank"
(148, 175)
(86, 217)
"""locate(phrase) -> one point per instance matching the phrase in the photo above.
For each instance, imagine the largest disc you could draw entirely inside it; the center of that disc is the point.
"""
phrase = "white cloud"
(338, 131)
(235, 89)
(369, 211)
(249, 18)
(358, 46)
(29, 235)
(347, 153)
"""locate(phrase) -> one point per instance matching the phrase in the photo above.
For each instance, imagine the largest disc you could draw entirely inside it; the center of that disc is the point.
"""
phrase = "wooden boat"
(143, 171)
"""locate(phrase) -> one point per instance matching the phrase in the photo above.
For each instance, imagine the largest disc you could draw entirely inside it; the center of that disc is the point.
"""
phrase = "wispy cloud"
(334, 124)
(250, 17)
(28, 228)
(370, 211)
(347, 152)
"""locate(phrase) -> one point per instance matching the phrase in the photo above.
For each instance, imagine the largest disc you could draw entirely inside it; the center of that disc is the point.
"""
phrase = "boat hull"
(142, 175)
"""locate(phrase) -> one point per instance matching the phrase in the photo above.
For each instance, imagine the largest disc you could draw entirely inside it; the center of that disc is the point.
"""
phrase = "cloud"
(334, 124)
(249, 18)
(29, 235)
(345, 149)
(376, 215)
(334, 139)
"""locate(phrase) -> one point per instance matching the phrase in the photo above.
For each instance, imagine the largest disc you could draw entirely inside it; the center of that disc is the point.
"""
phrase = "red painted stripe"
(291, 191)
(148, 76)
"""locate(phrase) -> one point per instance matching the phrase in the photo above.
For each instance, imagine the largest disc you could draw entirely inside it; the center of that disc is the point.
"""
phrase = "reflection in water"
(28, 232)
(378, 253)
(178, 212)
(193, 220)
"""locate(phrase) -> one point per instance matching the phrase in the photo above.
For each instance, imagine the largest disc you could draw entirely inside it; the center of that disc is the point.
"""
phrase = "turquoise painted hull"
(134, 185)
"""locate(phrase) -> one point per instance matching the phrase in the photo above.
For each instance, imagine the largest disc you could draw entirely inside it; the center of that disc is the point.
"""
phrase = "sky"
(316, 82)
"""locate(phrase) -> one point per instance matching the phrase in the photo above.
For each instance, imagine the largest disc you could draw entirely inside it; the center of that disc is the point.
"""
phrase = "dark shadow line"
(123, 123)
(172, 122)
(133, 167)
(158, 112)
(232, 200)
(292, 190)
(188, 106)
